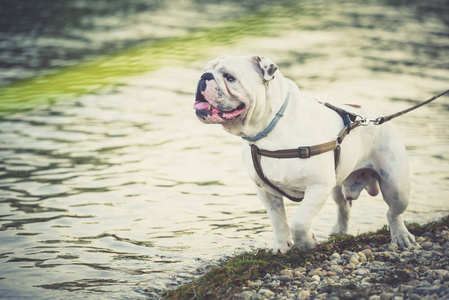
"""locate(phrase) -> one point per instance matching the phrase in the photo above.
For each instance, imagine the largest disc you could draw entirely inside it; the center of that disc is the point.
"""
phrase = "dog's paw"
(339, 230)
(404, 240)
(306, 243)
(280, 248)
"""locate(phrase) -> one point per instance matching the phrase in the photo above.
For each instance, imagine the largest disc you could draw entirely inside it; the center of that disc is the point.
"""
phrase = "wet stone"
(336, 268)
(427, 245)
(393, 247)
(362, 256)
(287, 273)
(368, 253)
(284, 278)
(318, 271)
(266, 292)
(354, 260)
(386, 296)
(303, 294)
(422, 269)
(335, 256)
(350, 266)
(246, 295)
(420, 240)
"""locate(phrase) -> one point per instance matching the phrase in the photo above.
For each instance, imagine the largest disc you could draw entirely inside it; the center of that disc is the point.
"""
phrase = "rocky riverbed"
(376, 272)
(362, 267)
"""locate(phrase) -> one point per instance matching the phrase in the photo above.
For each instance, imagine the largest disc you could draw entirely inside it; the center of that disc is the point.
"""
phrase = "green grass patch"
(233, 273)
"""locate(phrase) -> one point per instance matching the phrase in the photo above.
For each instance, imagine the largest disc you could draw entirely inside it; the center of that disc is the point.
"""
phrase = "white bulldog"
(244, 94)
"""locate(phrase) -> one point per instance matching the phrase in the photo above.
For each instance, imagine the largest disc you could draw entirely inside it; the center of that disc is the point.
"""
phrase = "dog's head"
(229, 89)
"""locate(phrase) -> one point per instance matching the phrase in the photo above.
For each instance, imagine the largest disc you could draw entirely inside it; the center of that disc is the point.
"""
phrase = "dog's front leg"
(276, 211)
(301, 220)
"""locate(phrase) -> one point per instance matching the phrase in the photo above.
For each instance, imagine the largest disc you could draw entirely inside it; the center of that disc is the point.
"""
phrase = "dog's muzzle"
(207, 111)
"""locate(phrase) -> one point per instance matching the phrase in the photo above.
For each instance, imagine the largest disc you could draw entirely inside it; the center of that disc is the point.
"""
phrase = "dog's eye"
(228, 77)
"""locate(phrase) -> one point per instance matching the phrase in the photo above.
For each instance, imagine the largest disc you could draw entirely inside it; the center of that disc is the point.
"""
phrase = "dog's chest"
(292, 174)
(288, 174)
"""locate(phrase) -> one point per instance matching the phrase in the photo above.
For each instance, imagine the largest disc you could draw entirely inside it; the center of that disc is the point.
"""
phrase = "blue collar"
(272, 124)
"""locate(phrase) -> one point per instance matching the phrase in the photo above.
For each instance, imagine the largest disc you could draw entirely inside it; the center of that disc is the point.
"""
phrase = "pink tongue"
(199, 105)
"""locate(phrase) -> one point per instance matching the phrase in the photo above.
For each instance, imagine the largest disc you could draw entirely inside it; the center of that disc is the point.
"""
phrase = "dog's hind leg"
(274, 206)
(343, 212)
(395, 191)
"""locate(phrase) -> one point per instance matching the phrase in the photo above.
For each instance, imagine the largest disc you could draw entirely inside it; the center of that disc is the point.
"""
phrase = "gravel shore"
(377, 272)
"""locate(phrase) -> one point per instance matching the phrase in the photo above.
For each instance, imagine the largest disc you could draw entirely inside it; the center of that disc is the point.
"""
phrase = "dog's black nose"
(207, 76)
(202, 86)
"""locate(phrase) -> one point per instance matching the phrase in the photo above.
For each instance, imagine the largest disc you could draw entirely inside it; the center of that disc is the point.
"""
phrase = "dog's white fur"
(372, 157)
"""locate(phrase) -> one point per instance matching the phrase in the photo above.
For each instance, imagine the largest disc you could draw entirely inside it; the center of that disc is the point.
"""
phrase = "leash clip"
(364, 122)
(379, 121)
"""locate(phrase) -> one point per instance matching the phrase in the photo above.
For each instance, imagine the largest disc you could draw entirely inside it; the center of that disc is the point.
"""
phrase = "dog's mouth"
(205, 110)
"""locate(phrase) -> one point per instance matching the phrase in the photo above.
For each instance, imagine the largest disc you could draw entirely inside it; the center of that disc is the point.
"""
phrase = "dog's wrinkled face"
(214, 104)
(227, 90)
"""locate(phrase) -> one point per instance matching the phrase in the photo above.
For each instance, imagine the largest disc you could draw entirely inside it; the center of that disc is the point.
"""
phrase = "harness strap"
(301, 152)
(256, 162)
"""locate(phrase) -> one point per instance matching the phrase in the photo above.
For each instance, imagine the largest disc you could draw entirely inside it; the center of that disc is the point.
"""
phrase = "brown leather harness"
(351, 121)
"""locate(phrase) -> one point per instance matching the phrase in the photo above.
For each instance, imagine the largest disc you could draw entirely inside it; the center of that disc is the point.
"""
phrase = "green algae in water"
(94, 75)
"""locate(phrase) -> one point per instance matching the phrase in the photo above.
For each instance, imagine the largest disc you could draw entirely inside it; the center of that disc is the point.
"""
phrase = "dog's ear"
(266, 67)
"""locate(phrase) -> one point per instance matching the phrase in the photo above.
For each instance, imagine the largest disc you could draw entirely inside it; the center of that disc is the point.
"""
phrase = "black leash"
(382, 120)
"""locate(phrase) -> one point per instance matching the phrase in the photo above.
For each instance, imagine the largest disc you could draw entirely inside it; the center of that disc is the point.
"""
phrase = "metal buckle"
(364, 122)
(305, 155)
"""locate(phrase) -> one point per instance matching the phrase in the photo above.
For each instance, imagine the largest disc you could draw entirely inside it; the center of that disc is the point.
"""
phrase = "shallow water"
(121, 192)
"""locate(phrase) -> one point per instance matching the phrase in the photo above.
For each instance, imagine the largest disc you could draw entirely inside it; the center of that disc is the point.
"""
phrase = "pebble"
(316, 278)
(335, 256)
(297, 283)
(363, 272)
(420, 240)
(378, 272)
(354, 260)
(287, 272)
(266, 292)
(422, 269)
(314, 272)
(427, 245)
(336, 268)
(246, 295)
(386, 296)
(383, 255)
(350, 266)
(303, 294)
(362, 256)
(368, 253)
(393, 247)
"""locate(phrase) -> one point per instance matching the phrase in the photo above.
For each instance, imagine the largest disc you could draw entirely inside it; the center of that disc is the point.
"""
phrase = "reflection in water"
(122, 192)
